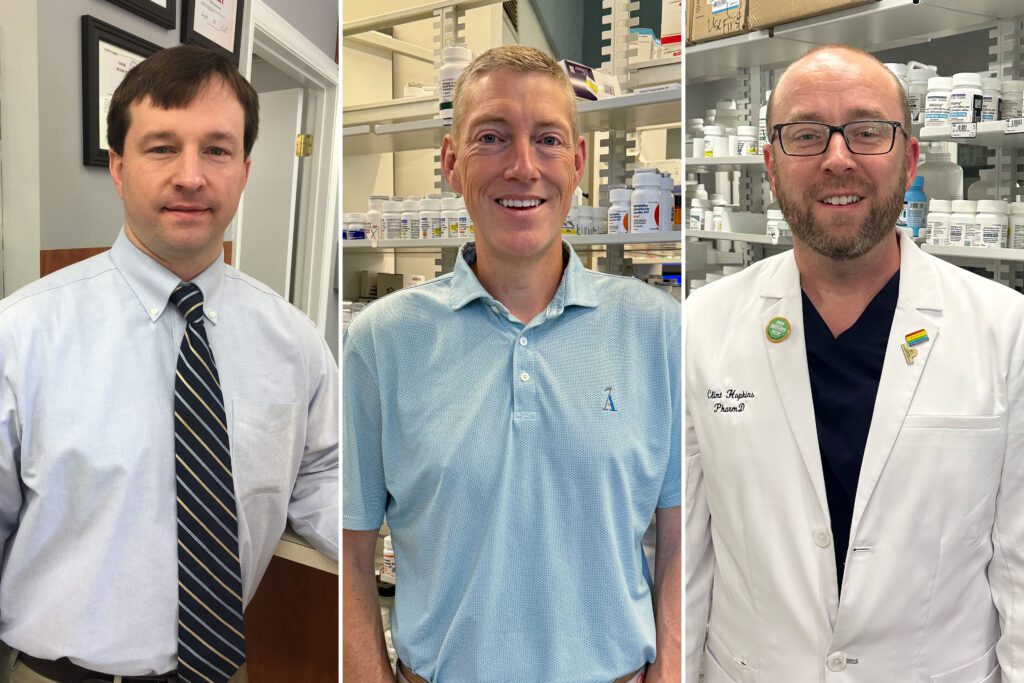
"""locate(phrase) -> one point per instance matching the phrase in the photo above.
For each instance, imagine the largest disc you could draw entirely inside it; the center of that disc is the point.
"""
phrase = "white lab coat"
(933, 589)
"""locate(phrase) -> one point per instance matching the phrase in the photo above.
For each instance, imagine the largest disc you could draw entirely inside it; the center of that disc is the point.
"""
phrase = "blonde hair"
(519, 58)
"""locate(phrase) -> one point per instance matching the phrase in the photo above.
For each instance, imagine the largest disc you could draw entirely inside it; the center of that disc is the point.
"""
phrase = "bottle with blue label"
(915, 208)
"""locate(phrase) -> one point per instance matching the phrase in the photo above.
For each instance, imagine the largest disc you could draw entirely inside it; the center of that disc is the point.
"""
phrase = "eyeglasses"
(810, 138)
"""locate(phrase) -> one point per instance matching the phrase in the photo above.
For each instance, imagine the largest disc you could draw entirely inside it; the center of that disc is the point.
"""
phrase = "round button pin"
(777, 330)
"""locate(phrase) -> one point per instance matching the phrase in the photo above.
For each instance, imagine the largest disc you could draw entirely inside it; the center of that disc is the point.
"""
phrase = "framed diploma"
(216, 24)
(108, 53)
(162, 12)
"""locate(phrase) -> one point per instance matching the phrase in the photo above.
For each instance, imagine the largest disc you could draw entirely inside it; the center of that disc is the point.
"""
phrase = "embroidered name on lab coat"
(729, 400)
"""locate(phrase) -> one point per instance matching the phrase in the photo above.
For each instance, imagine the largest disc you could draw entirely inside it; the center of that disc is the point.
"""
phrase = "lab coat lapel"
(918, 307)
(788, 360)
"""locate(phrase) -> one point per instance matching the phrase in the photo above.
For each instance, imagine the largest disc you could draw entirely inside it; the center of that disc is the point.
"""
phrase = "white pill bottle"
(618, 212)
(645, 202)
(454, 59)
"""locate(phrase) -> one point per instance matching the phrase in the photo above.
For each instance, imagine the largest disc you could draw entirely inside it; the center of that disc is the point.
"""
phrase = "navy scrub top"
(845, 372)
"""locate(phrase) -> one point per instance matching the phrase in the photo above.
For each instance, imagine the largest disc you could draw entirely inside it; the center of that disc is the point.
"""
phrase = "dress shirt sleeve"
(313, 508)
(671, 488)
(364, 490)
(10, 448)
(1006, 570)
(700, 555)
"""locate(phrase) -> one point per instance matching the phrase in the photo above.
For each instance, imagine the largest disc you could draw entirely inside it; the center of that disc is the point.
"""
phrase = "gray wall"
(315, 19)
(79, 207)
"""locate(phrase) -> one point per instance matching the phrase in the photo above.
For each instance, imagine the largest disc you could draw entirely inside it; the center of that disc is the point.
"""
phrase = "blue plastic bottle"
(915, 208)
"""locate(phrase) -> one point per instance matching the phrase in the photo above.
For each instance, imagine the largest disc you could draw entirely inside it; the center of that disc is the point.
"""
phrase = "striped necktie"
(211, 644)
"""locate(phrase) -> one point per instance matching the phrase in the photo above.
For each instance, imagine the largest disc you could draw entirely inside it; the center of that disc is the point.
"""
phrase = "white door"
(264, 248)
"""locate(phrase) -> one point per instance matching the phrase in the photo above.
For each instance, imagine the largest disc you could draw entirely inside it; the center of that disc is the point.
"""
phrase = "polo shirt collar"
(575, 288)
(152, 284)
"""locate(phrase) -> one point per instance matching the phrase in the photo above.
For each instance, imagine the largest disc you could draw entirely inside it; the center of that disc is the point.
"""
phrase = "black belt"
(64, 671)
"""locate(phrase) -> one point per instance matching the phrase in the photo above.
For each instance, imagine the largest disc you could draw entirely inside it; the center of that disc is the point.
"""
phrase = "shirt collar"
(575, 288)
(153, 284)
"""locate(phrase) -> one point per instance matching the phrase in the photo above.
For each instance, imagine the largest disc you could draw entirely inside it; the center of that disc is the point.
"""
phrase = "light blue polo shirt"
(518, 466)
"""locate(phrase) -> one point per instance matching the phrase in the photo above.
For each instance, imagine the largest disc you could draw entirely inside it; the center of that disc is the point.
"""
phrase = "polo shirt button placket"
(524, 394)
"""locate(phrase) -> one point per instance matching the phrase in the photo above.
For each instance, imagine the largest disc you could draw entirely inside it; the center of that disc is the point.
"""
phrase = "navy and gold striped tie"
(211, 644)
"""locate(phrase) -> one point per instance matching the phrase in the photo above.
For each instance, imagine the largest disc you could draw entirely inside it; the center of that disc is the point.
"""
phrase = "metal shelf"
(978, 253)
(725, 57)
(390, 111)
(753, 238)
(990, 134)
(875, 26)
(625, 112)
(665, 237)
(635, 238)
(631, 111)
(399, 137)
(712, 164)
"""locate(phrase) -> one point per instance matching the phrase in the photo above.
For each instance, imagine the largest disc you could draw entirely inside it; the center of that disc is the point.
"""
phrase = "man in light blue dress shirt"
(88, 525)
(518, 423)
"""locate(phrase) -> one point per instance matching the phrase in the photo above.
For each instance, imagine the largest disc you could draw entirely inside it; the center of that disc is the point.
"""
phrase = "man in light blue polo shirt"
(518, 423)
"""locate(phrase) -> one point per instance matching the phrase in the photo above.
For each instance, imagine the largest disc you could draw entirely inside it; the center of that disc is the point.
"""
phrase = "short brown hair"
(904, 100)
(171, 79)
(514, 58)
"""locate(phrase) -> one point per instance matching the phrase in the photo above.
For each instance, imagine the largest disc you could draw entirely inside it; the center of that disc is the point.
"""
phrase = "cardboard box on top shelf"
(714, 19)
(768, 13)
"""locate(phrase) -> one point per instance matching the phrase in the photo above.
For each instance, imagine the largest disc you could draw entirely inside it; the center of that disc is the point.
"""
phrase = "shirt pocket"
(265, 446)
(960, 456)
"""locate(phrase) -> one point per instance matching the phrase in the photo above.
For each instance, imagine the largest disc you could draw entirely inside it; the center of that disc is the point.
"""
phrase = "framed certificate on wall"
(216, 24)
(161, 12)
(108, 53)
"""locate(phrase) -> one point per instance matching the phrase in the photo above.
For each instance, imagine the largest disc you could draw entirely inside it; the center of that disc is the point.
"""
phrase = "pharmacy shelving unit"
(752, 62)
(404, 132)
(616, 253)
(410, 124)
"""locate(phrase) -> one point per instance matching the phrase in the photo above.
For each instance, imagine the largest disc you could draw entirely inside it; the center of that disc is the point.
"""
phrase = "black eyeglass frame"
(896, 125)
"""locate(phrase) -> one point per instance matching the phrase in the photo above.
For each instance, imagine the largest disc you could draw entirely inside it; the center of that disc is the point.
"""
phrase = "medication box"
(671, 25)
(714, 19)
(589, 83)
(768, 13)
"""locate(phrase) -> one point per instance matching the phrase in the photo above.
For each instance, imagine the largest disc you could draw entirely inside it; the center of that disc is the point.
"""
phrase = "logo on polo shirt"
(609, 404)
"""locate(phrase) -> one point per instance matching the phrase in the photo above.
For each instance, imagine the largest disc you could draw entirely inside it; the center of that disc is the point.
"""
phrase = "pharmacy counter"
(291, 625)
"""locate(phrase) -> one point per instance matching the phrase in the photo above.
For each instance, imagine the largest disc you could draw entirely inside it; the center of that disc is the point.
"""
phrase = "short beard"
(878, 225)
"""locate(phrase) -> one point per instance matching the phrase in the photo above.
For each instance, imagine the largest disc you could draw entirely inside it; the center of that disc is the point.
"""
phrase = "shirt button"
(821, 538)
(522, 341)
(212, 314)
(525, 376)
(836, 661)
(154, 310)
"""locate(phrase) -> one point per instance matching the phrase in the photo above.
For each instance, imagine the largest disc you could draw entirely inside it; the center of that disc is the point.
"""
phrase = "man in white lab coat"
(854, 475)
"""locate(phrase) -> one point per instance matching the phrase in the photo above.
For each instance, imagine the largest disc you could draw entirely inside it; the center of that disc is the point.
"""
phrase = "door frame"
(281, 44)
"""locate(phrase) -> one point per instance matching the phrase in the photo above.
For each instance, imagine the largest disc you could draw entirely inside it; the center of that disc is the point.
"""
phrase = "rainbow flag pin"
(915, 338)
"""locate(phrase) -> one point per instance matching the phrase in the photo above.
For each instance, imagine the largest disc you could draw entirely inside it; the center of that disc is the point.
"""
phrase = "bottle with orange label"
(645, 201)
(618, 212)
